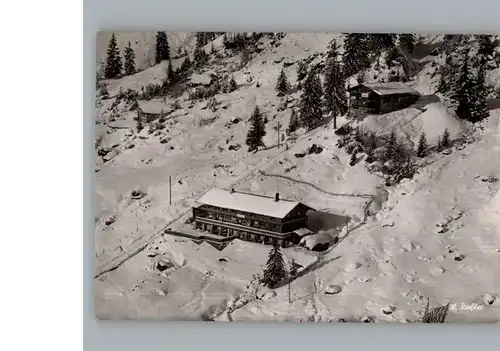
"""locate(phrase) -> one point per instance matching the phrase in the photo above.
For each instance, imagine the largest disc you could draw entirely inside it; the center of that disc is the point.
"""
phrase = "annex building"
(380, 98)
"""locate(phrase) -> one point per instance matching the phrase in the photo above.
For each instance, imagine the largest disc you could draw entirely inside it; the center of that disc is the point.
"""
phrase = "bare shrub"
(207, 121)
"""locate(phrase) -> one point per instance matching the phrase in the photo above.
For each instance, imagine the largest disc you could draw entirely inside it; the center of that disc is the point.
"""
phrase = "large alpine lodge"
(380, 98)
(251, 217)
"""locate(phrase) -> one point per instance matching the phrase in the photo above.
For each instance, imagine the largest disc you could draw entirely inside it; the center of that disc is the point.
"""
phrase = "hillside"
(390, 253)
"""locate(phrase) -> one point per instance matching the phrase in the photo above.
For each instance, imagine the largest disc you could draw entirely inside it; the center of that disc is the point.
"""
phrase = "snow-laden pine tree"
(113, 66)
(407, 42)
(186, 64)
(282, 85)
(294, 268)
(377, 42)
(439, 144)
(200, 57)
(356, 54)
(310, 104)
(481, 92)
(293, 124)
(170, 73)
(301, 70)
(129, 57)
(232, 85)
(390, 147)
(466, 93)
(372, 141)
(334, 90)
(257, 131)
(445, 140)
(354, 158)
(486, 47)
(162, 47)
(275, 270)
(423, 146)
(201, 39)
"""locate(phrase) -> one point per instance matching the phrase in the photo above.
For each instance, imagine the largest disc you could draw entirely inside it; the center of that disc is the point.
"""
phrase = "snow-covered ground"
(390, 261)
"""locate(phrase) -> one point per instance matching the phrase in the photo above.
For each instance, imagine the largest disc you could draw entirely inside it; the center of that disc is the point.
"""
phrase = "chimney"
(277, 197)
(232, 191)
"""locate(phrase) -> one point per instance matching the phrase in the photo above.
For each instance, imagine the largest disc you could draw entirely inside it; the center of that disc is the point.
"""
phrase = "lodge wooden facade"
(380, 98)
(284, 228)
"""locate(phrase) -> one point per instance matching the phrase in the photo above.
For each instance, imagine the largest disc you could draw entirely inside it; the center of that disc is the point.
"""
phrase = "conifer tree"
(481, 92)
(186, 64)
(354, 158)
(129, 56)
(471, 93)
(390, 146)
(113, 66)
(439, 146)
(372, 141)
(201, 39)
(407, 42)
(301, 70)
(293, 125)
(361, 77)
(447, 78)
(311, 112)
(232, 85)
(465, 91)
(294, 268)
(335, 93)
(256, 132)
(377, 42)
(393, 57)
(282, 85)
(445, 141)
(170, 73)
(162, 47)
(200, 57)
(422, 145)
(486, 47)
(275, 271)
(356, 54)
(401, 154)
(370, 155)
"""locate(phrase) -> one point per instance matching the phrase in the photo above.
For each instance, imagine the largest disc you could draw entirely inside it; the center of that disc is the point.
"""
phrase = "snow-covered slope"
(403, 256)
(394, 258)
(143, 44)
(410, 123)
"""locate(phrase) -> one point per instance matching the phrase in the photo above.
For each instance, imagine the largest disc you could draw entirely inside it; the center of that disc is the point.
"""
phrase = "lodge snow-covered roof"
(389, 88)
(251, 203)
(153, 107)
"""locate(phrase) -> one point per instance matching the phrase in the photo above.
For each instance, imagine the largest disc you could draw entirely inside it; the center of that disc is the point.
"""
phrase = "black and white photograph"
(297, 177)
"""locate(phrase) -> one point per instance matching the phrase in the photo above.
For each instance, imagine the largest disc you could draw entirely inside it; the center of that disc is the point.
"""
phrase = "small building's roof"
(152, 107)
(200, 79)
(251, 203)
(390, 88)
(302, 232)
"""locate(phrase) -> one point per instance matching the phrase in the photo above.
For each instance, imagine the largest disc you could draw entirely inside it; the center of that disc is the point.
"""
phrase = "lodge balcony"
(247, 233)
